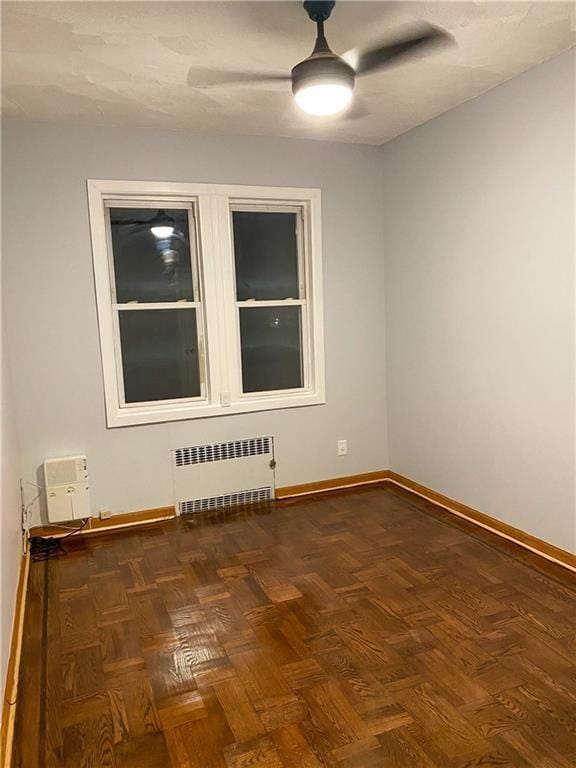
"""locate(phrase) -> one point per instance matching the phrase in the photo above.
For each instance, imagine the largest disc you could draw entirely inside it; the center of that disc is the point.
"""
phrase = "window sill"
(124, 417)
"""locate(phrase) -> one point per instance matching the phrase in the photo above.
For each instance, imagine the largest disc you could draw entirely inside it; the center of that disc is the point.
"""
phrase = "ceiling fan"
(323, 84)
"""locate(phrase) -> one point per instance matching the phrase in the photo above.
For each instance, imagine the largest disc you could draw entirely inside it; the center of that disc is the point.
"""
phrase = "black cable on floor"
(42, 548)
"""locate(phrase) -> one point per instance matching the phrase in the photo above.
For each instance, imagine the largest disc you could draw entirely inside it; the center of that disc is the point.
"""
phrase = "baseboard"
(334, 484)
(516, 535)
(504, 530)
(13, 669)
(97, 525)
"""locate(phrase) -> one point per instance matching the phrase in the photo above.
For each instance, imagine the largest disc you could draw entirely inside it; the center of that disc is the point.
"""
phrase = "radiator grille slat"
(235, 449)
(252, 496)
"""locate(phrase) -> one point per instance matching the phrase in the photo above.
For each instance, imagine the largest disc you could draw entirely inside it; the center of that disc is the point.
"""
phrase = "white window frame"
(219, 324)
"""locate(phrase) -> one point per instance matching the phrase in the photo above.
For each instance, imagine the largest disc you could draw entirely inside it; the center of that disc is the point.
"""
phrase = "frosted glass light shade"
(323, 99)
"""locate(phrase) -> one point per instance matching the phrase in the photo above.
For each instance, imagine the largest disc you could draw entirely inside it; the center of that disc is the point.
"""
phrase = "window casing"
(236, 327)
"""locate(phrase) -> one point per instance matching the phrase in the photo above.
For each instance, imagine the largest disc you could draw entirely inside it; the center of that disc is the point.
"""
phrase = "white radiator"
(223, 474)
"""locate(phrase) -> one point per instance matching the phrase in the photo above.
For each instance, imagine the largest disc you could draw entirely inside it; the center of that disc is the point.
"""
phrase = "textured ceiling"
(163, 63)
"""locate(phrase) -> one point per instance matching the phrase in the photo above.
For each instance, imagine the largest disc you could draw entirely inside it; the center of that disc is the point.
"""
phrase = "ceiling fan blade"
(203, 78)
(391, 52)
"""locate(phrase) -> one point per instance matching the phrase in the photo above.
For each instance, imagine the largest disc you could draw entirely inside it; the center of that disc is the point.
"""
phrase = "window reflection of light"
(162, 225)
(169, 256)
(162, 232)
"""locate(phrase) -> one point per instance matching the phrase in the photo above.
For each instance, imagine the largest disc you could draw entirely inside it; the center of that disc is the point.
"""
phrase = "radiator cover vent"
(223, 474)
(253, 496)
(236, 449)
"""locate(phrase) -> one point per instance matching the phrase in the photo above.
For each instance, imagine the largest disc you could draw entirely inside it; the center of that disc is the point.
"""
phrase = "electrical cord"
(30, 503)
(44, 548)
(24, 512)
(64, 527)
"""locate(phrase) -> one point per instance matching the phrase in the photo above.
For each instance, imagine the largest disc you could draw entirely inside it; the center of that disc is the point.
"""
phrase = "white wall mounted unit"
(67, 488)
(223, 474)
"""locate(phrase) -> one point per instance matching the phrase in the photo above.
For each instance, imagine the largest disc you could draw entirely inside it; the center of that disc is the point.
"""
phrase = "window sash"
(304, 350)
(202, 361)
(217, 307)
(194, 239)
(179, 304)
(136, 305)
(303, 258)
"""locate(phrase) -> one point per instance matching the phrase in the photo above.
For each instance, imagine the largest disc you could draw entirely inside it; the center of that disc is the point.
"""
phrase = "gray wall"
(472, 214)
(10, 538)
(52, 312)
(479, 247)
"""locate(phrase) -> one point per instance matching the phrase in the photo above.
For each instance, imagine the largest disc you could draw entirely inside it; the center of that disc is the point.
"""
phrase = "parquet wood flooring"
(355, 630)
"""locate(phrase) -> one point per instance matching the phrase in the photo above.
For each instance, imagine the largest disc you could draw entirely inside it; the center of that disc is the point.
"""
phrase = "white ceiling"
(162, 63)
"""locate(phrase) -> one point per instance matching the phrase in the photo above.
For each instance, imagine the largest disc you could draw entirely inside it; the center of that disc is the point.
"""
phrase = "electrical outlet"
(104, 514)
(342, 447)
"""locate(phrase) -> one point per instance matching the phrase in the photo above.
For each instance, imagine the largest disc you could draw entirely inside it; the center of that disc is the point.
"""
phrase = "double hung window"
(209, 298)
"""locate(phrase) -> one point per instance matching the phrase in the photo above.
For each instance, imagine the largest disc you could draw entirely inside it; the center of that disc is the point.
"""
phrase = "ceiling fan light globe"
(322, 98)
(323, 84)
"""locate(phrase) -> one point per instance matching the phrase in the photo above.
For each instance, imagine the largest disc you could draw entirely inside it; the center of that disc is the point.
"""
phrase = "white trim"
(145, 202)
(248, 303)
(215, 296)
(159, 413)
(180, 304)
(257, 206)
(172, 190)
(227, 284)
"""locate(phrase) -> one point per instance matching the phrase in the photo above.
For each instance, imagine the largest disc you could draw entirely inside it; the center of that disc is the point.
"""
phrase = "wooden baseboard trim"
(334, 484)
(97, 525)
(13, 670)
(516, 535)
(504, 530)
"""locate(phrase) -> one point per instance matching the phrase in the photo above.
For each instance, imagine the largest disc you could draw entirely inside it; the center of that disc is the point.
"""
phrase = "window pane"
(160, 357)
(149, 267)
(266, 253)
(271, 348)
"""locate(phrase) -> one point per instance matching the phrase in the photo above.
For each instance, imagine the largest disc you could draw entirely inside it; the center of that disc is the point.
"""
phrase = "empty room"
(288, 384)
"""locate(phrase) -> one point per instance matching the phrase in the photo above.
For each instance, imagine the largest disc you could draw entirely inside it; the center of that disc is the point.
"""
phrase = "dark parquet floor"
(356, 630)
